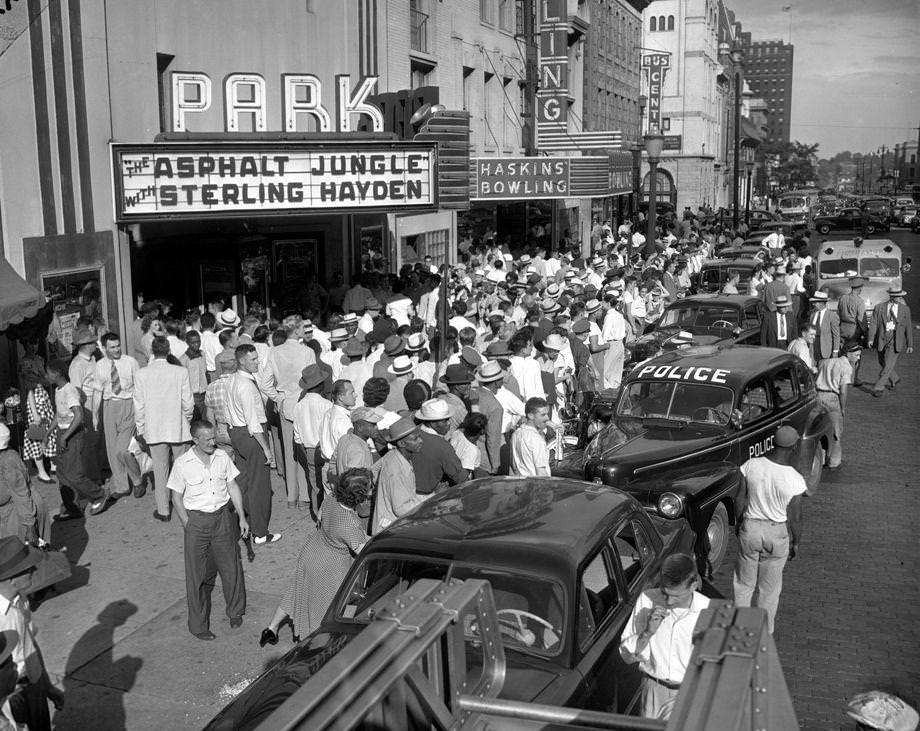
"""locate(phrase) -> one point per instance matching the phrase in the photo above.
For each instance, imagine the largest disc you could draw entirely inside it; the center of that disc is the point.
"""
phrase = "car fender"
(702, 485)
(818, 428)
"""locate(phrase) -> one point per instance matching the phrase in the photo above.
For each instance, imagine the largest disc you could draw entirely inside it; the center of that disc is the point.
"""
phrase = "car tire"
(813, 478)
(717, 533)
(824, 229)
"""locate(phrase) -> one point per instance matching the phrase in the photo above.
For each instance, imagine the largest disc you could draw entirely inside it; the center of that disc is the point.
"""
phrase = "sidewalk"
(114, 636)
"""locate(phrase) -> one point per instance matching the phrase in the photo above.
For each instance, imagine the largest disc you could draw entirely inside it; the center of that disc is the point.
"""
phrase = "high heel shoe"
(268, 638)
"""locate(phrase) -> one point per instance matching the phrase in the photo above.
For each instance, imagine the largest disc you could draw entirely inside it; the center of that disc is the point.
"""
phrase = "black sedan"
(850, 219)
(711, 320)
(566, 560)
(684, 421)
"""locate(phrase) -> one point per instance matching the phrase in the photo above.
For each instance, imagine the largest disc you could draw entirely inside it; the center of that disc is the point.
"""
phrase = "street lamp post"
(749, 164)
(654, 141)
(737, 55)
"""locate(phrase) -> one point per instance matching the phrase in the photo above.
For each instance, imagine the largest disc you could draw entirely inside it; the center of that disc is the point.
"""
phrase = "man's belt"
(665, 683)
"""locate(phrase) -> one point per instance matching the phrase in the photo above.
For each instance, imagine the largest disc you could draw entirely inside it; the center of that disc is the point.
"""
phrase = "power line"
(38, 16)
(850, 126)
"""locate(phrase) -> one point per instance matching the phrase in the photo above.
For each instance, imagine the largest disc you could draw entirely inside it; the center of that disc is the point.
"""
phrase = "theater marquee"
(201, 180)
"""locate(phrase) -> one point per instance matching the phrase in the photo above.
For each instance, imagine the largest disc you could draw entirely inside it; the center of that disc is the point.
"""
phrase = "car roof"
(736, 364)
(846, 247)
(533, 524)
(731, 263)
(738, 300)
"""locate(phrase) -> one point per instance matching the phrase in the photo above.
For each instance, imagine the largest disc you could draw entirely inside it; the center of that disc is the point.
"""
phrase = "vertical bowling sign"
(657, 64)
(552, 105)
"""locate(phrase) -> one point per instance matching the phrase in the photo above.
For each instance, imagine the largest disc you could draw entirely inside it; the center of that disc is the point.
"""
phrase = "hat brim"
(307, 385)
(32, 558)
(490, 379)
(394, 372)
(392, 439)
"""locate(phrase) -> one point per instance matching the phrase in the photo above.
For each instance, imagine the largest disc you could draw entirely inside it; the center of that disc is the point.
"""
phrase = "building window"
(670, 22)
(653, 23)
(418, 28)
(506, 14)
(485, 11)
(661, 25)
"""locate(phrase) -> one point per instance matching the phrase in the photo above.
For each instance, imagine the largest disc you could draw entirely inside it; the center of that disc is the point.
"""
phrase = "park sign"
(220, 179)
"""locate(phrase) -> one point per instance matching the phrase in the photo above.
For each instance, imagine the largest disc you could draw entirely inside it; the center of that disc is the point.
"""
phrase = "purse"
(36, 432)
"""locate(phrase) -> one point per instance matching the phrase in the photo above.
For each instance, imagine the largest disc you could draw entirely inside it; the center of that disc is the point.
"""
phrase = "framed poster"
(74, 293)
(293, 261)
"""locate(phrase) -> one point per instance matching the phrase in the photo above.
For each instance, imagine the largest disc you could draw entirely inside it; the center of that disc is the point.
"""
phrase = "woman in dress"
(39, 412)
(324, 559)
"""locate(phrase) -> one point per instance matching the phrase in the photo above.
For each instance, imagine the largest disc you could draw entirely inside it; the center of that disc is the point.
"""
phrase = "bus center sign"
(201, 180)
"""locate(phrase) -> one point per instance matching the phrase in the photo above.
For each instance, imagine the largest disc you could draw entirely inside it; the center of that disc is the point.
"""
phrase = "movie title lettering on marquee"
(196, 180)
(657, 64)
(246, 95)
(553, 133)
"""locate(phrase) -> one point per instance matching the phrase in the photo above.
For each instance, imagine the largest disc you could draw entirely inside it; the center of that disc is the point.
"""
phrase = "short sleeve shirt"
(203, 486)
(770, 488)
(834, 374)
(65, 398)
(529, 453)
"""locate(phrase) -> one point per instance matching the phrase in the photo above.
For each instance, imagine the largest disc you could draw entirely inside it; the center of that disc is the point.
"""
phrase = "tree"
(791, 164)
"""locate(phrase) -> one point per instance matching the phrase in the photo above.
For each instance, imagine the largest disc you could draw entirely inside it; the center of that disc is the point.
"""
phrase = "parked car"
(683, 422)
(714, 273)
(750, 249)
(881, 207)
(850, 219)
(711, 320)
(907, 214)
(566, 561)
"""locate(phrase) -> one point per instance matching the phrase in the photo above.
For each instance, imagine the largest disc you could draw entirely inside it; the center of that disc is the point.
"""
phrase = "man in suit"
(776, 288)
(777, 329)
(891, 335)
(490, 377)
(827, 328)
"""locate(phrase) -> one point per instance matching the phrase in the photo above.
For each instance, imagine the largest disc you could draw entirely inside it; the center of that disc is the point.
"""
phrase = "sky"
(856, 68)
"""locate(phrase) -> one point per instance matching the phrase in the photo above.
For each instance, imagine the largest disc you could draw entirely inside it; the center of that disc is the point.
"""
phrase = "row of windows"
(661, 23)
(510, 13)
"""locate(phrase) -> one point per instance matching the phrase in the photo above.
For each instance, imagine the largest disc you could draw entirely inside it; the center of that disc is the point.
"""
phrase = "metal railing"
(418, 30)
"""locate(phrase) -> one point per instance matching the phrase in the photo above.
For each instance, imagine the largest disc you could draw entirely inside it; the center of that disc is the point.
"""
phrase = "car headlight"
(670, 505)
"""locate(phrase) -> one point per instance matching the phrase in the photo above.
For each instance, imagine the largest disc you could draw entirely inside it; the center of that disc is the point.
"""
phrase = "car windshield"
(794, 202)
(699, 316)
(872, 266)
(835, 268)
(531, 610)
(682, 402)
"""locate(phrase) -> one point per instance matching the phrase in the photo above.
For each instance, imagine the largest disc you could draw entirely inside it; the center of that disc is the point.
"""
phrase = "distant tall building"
(768, 71)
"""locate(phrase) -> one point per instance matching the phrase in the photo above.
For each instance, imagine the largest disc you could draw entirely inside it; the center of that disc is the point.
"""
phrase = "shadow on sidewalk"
(72, 538)
(99, 704)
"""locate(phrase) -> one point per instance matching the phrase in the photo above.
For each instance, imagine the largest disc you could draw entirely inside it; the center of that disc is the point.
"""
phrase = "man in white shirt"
(524, 367)
(278, 380)
(802, 345)
(772, 524)
(529, 452)
(613, 333)
(249, 437)
(210, 343)
(428, 303)
(337, 420)
(394, 477)
(163, 407)
(659, 633)
(308, 420)
(114, 386)
(203, 485)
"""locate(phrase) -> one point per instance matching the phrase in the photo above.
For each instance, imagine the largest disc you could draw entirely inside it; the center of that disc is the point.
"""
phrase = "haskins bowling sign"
(200, 180)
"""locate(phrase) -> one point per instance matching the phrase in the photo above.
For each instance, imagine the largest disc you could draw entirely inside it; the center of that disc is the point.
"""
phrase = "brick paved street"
(847, 623)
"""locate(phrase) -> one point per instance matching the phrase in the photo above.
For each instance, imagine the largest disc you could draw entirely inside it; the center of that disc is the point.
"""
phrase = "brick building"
(768, 70)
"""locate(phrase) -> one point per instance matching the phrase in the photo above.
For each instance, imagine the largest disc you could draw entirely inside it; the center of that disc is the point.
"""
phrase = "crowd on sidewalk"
(349, 402)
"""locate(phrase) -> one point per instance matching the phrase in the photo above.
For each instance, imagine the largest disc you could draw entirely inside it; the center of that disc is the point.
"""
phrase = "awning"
(19, 300)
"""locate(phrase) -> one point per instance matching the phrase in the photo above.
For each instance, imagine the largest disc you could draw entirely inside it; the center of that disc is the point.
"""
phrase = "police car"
(685, 421)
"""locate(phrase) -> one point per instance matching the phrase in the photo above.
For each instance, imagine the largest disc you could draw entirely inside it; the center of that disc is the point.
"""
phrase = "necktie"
(781, 326)
(116, 380)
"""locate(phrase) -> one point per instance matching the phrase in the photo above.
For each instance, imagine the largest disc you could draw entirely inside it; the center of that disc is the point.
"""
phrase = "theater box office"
(259, 221)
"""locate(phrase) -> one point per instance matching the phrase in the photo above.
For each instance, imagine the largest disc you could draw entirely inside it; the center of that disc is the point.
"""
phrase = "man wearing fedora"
(490, 377)
(400, 373)
(776, 287)
(457, 378)
(215, 400)
(851, 308)
(393, 347)
(394, 476)
(279, 381)
(352, 450)
(203, 486)
(891, 334)
(827, 328)
(34, 688)
(777, 328)
(437, 462)
(308, 421)
(355, 367)
(82, 375)
(163, 407)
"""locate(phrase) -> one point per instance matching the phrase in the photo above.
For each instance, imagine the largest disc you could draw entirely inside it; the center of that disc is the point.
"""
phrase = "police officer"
(851, 308)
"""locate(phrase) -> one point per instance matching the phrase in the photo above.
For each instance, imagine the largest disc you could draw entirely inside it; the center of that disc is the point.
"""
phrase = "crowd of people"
(365, 405)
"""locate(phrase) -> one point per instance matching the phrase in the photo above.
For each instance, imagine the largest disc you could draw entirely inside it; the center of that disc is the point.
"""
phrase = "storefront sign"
(552, 94)
(517, 178)
(198, 180)
(657, 64)
(672, 142)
